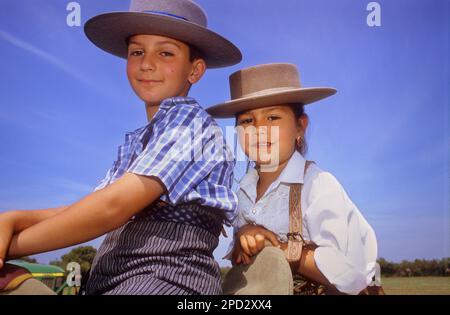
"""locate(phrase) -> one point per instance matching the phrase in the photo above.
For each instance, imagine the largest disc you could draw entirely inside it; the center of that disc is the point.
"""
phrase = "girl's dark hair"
(299, 111)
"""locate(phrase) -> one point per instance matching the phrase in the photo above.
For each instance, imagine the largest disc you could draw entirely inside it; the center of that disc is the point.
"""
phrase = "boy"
(162, 208)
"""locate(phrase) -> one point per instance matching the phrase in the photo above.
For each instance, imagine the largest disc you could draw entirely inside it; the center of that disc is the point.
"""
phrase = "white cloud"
(72, 185)
(17, 42)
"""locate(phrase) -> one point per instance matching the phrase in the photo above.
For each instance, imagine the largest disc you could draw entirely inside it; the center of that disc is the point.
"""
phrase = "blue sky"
(65, 105)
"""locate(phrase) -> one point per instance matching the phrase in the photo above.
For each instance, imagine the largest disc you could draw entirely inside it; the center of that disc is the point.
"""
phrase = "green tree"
(416, 268)
(84, 255)
(387, 268)
(29, 259)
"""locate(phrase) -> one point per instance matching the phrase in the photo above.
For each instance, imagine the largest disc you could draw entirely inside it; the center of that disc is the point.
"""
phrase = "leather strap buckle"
(295, 237)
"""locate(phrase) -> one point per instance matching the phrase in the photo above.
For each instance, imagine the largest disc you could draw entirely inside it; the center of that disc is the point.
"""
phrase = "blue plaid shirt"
(185, 148)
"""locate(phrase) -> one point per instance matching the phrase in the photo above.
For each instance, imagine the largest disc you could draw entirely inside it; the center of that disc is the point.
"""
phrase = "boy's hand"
(252, 239)
(6, 234)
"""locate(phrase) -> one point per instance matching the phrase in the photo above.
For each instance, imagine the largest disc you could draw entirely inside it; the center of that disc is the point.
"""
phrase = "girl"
(268, 104)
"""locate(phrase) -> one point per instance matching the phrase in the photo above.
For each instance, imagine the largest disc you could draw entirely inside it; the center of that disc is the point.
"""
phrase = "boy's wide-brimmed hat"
(182, 20)
(267, 85)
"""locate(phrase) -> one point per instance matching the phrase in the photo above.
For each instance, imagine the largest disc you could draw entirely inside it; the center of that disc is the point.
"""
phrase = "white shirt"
(347, 246)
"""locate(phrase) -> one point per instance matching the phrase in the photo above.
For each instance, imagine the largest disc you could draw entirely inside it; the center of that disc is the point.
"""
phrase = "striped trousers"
(147, 256)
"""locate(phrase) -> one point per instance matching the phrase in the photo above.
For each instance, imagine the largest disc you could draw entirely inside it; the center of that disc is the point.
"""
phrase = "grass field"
(416, 285)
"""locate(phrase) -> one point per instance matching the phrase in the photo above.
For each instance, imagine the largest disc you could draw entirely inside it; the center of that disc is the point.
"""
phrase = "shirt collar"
(172, 101)
(293, 173)
(165, 105)
(248, 183)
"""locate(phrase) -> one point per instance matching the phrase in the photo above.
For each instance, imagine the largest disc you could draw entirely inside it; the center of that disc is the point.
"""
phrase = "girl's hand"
(6, 234)
(252, 239)
(238, 256)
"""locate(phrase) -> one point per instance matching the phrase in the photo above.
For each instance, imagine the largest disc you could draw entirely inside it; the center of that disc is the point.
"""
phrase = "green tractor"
(52, 276)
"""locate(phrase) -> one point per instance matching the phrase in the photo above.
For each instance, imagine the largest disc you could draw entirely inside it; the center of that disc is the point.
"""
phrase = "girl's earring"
(299, 141)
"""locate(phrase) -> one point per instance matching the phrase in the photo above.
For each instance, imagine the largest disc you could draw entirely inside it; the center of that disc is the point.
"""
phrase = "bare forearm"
(308, 268)
(81, 222)
(89, 218)
(23, 219)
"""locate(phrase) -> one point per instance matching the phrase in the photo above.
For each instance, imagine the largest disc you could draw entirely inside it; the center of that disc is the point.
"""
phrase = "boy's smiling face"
(158, 67)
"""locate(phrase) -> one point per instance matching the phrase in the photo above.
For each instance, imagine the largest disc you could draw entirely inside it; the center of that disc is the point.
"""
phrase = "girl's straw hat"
(267, 85)
(182, 20)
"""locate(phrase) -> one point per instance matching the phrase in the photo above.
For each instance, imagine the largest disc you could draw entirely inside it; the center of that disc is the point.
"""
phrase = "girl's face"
(268, 135)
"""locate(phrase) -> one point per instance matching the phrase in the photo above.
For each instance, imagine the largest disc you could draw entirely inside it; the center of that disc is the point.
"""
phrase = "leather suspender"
(295, 235)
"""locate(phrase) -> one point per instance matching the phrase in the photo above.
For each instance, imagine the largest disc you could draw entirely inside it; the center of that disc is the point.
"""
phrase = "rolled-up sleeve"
(172, 153)
(346, 250)
(104, 182)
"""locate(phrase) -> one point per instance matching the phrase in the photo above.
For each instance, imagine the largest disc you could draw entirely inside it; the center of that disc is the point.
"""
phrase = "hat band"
(167, 14)
(270, 91)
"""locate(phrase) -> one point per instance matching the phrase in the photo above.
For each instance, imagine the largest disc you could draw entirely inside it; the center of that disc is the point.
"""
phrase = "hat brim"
(110, 32)
(302, 96)
(254, 279)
